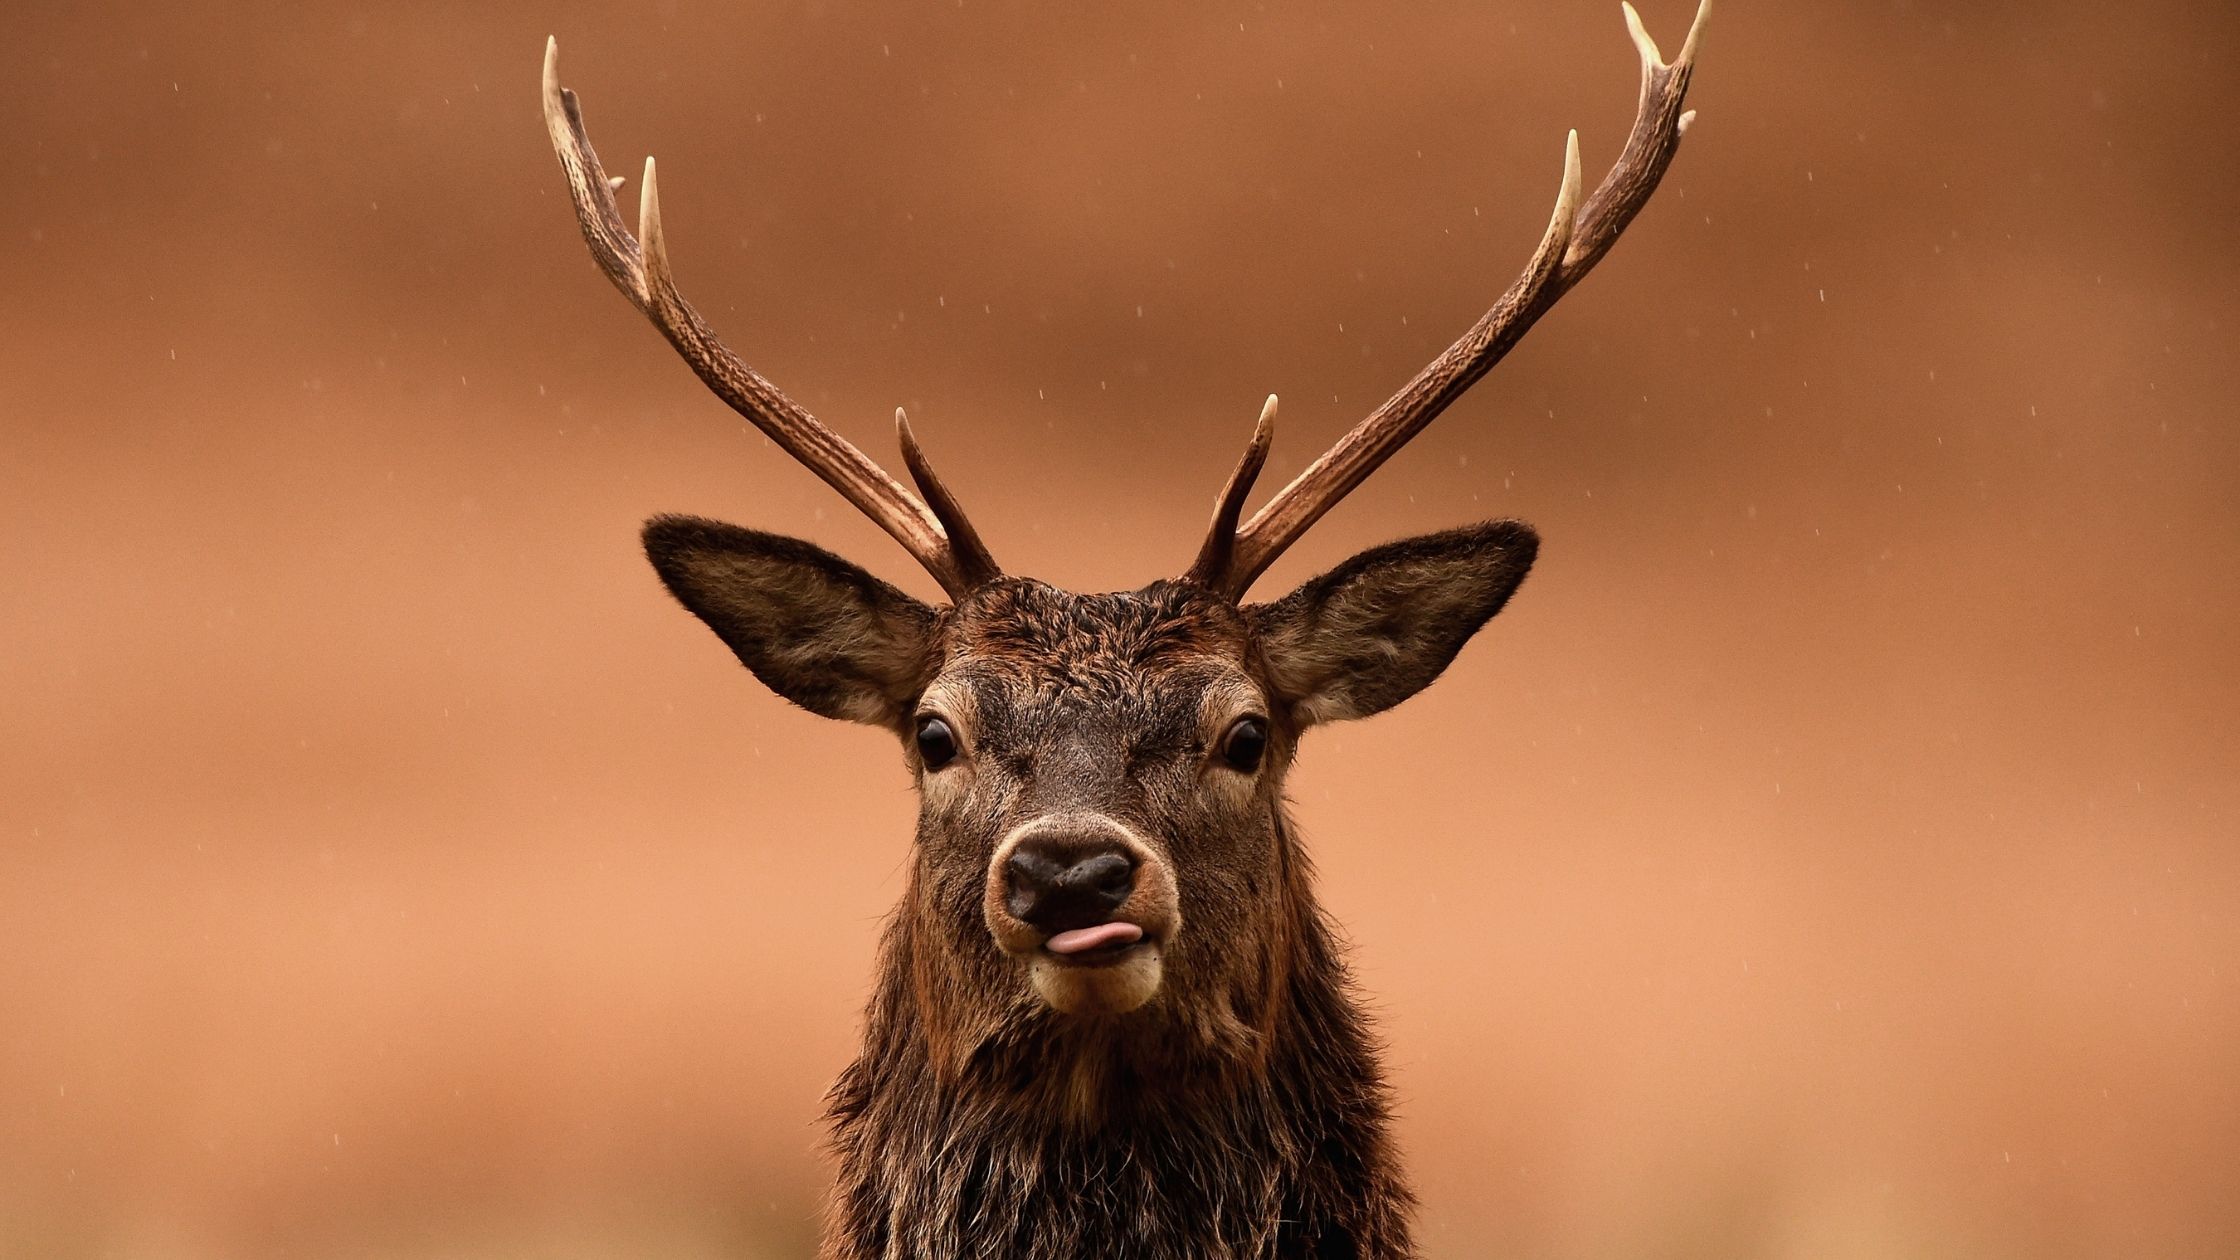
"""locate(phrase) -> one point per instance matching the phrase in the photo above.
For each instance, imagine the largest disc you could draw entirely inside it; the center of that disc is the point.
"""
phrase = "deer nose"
(1058, 884)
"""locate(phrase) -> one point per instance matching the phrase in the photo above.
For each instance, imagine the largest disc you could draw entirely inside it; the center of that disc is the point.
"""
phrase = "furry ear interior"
(814, 628)
(1380, 627)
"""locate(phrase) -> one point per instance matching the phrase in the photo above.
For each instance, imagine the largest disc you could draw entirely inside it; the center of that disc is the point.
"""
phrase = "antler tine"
(1212, 565)
(1577, 238)
(974, 564)
(940, 539)
(1658, 123)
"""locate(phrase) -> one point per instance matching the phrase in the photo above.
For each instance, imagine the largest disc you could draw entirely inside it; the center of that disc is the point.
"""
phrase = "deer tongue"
(1082, 940)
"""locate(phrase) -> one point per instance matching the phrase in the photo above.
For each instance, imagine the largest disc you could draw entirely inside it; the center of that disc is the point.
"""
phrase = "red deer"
(1110, 1018)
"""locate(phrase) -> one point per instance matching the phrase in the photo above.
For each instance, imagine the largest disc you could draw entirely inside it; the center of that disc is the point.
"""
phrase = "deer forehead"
(1023, 657)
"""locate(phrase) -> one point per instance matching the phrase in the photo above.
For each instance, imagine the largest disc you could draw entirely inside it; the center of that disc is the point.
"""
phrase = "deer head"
(1101, 776)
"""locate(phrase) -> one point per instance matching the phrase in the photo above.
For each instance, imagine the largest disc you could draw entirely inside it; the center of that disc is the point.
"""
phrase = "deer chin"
(1111, 982)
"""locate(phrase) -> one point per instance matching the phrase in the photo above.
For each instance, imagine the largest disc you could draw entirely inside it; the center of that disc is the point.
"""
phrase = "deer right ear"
(814, 628)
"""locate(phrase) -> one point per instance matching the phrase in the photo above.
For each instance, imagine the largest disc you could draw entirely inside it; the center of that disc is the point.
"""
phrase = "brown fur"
(1238, 1112)
(1110, 1019)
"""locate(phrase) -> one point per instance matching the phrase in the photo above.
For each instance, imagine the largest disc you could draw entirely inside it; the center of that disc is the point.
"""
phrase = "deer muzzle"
(1087, 905)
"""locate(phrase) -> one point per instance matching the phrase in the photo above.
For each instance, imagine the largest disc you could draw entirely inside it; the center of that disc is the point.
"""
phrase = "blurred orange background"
(1830, 853)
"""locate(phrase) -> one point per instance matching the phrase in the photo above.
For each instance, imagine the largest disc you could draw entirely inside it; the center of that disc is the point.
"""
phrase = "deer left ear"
(1380, 627)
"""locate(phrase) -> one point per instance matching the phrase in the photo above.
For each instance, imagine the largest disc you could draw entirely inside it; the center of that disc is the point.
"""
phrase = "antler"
(1575, 241)
(940, 537)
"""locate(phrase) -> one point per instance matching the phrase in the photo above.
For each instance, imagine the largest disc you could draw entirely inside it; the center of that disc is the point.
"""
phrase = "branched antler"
(940, 537)
(1576, 239)
(935, 529)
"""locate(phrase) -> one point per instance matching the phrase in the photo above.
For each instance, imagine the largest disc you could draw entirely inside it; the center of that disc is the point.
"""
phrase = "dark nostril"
(1031, 871)
(1107, 875)
(1057, 890)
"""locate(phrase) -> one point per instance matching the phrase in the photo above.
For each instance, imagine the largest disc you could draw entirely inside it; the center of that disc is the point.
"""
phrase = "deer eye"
(937, 744)
(1244, 745)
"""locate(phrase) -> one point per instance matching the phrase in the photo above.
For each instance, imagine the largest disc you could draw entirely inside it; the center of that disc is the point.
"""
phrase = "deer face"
(1100, 776)
(1101, 773)
(1097, 772)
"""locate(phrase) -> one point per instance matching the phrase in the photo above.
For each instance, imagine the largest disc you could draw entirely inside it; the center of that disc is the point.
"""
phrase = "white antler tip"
(1695, 32)
(1567, 201)
(649, 225)
(555, 113)
(1264, 429)
(615, 182)
(1685, 119)
(1650, 57)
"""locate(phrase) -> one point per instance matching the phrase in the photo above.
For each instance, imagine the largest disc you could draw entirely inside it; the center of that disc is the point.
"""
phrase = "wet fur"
(1240, 1114)
(1259, 1132)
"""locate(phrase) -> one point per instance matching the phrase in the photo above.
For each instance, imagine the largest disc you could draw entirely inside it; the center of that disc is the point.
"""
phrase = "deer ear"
(1380, 627)
(814, 628)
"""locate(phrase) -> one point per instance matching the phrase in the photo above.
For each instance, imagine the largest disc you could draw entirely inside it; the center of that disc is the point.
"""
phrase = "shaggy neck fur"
(1243, 1125)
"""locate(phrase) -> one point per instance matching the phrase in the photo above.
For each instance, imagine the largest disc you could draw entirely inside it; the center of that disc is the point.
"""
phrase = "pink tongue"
(1081, 940)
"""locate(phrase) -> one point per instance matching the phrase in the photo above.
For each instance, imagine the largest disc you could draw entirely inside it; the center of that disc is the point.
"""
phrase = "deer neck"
(1246, 1124)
